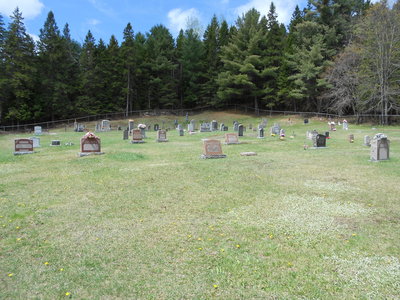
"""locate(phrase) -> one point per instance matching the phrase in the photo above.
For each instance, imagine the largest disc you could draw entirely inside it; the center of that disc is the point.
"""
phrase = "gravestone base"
(160, 141)
(212, 156)
(232, 143)
(23, 152)
(137, 142)
(80, 154)
(317, 147)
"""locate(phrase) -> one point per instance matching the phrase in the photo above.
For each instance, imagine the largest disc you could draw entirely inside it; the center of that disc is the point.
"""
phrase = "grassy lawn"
(154, 221)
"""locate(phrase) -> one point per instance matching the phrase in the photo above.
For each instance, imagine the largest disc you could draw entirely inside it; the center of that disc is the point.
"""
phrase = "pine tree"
(128, 55)
(20, 71)
(161, 67)
(242, 79)
(2, 66)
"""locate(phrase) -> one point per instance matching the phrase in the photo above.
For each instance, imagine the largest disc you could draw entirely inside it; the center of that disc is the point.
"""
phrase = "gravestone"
(332, 126)
(275, 129)
(236, 126)
(156, 127)
(327, 134)
(38, 130)
(23, 146)
(105, 125)
(190, 127)
(137, 137)
(98, 126)
(131, 125)
(231, 138)
(212, 149)
(260, 132)
(187, 117)
(179, 127)
(143, 131)
(214, 125)
(225, 128)
(351, 138)
(221, 127)
(55, 143)
(319, 141)
(305, 121)
(126, 134)
(205, 127)
(193, 124)
(380, 147)
(250, 126)
(282, 132)
(240, 130)
(75, 125)
(80, 128)
(162, 136)
(181, 132)
(90, 145)
(175, 123)
(345, 125)
(367, 141)
(36, 141)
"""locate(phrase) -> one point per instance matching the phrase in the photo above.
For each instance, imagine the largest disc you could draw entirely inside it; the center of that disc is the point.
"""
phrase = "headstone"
(351, 138)
(190, 127)
(187, 117)
(305, 121)
(162, 136)
(80, 128)
(75, 125)
(23, 146)
(179, 127)
(367, 141)
(205, 127)
(327, 134)
(380, 147)
(212, 149)
(260, 132)
(236, 126)
(143, 131)
(36, 141)
(137, 137)
(240, 130)
(131, 125)
(90, 144)
(126, 134)
(105, 125)
(225, 128)
(311, 134)
(319, 141)
(214, 125)
(332, 126)
(250, 126)
(156, 127)
(175, 123)
(275, 129)
(193, 124)
(181, 132)
(98, 126)
(345, 125)
(282, 132)
(221, 127)
(38, 130)
(55, 143)
(231, 138)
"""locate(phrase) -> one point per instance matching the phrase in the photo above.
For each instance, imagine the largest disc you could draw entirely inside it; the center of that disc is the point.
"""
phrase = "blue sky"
(107, 17)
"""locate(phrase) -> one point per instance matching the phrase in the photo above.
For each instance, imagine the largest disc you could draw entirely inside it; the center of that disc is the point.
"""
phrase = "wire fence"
(374, 118)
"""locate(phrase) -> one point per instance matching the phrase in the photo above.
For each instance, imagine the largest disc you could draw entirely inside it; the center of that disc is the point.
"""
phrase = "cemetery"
(274, 217)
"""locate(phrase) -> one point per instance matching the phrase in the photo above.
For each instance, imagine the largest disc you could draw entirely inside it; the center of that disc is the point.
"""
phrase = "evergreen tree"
(128, 55)
(20, 70)
(161, 67)
(242, 79)
(87, 102)
(2, 65)
(212, 45)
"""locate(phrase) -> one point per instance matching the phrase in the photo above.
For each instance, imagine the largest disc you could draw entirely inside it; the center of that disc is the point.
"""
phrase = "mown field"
(154, 221)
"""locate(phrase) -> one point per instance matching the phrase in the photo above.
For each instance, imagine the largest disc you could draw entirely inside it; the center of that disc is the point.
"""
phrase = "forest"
(335, 56)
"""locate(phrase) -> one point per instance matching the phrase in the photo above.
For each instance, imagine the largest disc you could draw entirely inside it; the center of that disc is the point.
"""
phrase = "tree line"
(340, 56)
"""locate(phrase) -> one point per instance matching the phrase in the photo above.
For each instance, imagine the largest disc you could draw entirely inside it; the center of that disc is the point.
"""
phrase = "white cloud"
(29, 8)
(179, 19)
(284, 8)
(93, 22)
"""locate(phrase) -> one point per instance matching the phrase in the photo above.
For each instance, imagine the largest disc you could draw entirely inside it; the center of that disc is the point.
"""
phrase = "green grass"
(154, 221)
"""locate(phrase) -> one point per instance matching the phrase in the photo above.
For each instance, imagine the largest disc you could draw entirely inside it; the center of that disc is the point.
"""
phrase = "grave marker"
(105, 125)
(351, 138)
(231, 138)
(260, 132)
(380, 147)
(367, 141)
(319, 141)
(212, 149)
(55, 143)
(162, 136)
(205, 127)
(214, 125)
(126, 134)
(137, 137)
(240, 130)
(38, 130)
(90, 145)
(23, 146)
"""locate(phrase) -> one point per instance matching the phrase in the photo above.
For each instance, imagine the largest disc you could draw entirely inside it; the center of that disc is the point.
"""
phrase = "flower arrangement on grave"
(141, 126)
(90, 135)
